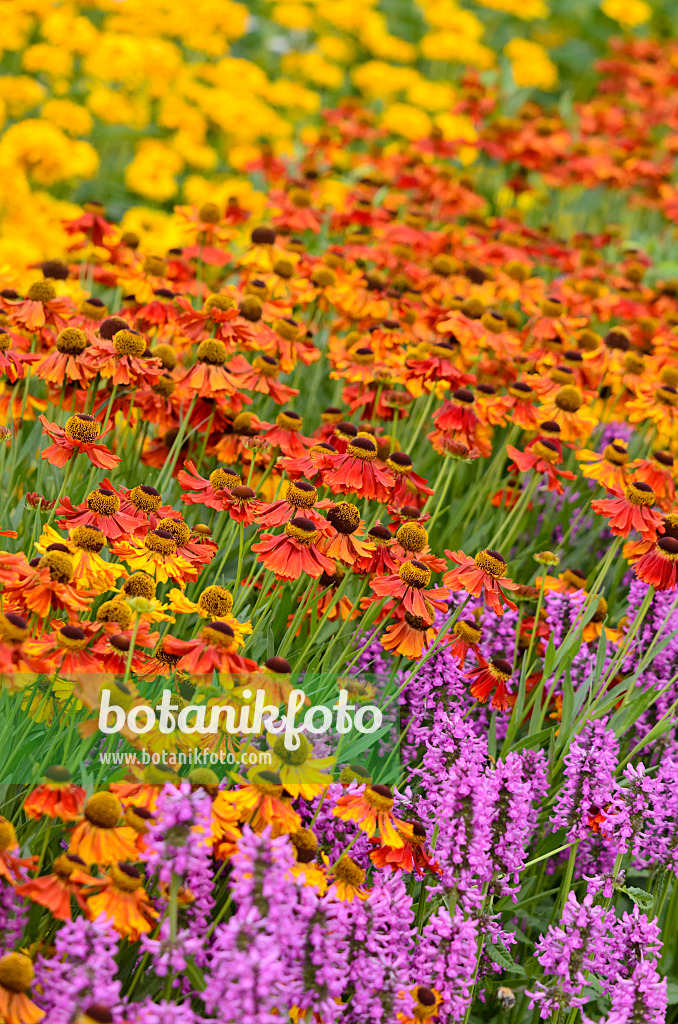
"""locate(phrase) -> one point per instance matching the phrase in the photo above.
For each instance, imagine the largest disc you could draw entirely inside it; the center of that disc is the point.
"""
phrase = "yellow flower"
(531, 64)
(402, 119)
(71, 117)
(152, 172)
(292, 15)
(528, 10)
(628, 13)
(54, 60)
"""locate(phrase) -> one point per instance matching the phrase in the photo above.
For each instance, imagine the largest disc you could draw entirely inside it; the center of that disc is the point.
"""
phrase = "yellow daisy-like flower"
(301, 774)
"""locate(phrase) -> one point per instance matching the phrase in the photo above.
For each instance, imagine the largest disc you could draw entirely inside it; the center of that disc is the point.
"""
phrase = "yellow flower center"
(345, 517)
(13, 628)
(569, 398)
(468, 631)
(547, 451)
(215, 602)
(640, 494)
(72, 638)
(7, 835)
(82, 427)
(412, 536)
(16, 972)
(218, 301)
(491, 562)
(160, 542)
(347, 871)
(71, 341)
(88, 538)
(301, 494)
(302, 529)
(179, 530)
(415, 574)
(60, 565)
(293, 757)
(41, 291)
(288, 420)
(115, 611)
(129, 343)
(103, 810)
(103, 502)
(145, 498)
(362, 448)
(616, 454)
(212, 351)
(125, 877)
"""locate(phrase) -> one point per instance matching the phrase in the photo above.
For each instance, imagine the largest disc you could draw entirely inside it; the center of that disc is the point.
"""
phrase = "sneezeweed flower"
(630, 510)
(286, 435)
(67, 879)
(409, 585)
(214, 650)
(259, 802)
(100, 838)
(302, 774)
(80, 435)
(491, 678)
(411, 635)
(57, 796)
(357, 472)
(212, 492)
(123, 900)
(542, 456)
(466, 635)
(371, 808)
(610, 468)
(411, 856)
(482, 576)
(659, 566)
(295, 551)
(16, 977)
(348, 880)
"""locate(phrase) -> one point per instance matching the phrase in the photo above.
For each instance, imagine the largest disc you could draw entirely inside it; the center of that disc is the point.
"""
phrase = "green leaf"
(498, 952)
(643, 899)
(672, 993)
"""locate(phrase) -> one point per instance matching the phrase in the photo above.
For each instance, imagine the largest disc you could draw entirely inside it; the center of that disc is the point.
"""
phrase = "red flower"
(659, 566)
(466, 635)
(79, 436)
(286, 435)
(542, 456)
(295, 551)
(213, 493)
(482, 574)
(357, 472)
(492, 676)
(409, 586)
(214, 649)
(631, 511)
(102, 509)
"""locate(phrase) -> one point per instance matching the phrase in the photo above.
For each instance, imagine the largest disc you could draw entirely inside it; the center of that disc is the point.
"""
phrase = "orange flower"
(409, 586)
(99, 839)
(294, 551)
(371, 808)
(482, 574)
(214, 650)
(467, 634)
(659, 566)
(259, 802)
(348, 880)
(54, 891)
(630, 511)
(79, 436)
(541, 455)
(609, 467)
(12, 868)
(16, 977)
(123, 899)
(409, 637)
(356, 472)
(411, 856)
(286, 435)
(492, 676)
(56, 796)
